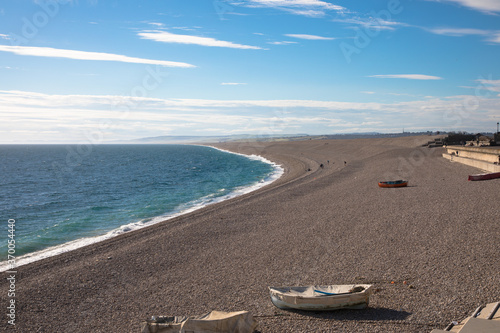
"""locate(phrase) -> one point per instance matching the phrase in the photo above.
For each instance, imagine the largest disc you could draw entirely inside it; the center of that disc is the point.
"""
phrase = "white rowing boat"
(350, 296)
(215, 321)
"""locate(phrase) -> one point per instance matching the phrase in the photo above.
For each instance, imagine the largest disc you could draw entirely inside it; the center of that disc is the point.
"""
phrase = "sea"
(57, 198)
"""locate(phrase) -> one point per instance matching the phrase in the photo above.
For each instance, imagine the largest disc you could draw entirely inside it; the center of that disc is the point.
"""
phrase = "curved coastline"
(135, 226)
(418, 246)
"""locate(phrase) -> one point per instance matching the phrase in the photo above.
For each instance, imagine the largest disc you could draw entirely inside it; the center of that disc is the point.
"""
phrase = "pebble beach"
(430, 249)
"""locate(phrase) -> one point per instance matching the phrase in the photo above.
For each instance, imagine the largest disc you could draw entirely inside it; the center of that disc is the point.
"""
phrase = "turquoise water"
(63, 197)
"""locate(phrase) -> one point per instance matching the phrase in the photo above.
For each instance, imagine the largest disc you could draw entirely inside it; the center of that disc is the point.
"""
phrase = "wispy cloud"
(492, 36)
(372, 23)
(232, 84)
(168, 37)
(156, 24)
(186, 28)
(3, 36)
(285, 42)
(486, 6)
(84, 55)
(490, 85)
(407, 76)
(310, 37)
(306, 12)
(458, 32)
(495, 38)
(296, 3)
(310, 8)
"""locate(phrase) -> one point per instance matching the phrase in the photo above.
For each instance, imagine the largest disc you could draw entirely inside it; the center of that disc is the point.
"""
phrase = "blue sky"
(98, 71)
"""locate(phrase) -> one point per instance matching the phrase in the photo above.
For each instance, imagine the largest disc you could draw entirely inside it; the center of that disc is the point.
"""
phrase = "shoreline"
(138, 225)
(330, 225)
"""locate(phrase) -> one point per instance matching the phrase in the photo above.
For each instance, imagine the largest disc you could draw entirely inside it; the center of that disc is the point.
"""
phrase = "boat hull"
(485, 176)
(393, 184)
(283, 300)
(317, 307)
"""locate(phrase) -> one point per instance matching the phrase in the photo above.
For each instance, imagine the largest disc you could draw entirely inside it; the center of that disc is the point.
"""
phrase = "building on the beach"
(484, 158)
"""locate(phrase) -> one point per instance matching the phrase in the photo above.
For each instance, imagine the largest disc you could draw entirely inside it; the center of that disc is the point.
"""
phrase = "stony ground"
(430, 249)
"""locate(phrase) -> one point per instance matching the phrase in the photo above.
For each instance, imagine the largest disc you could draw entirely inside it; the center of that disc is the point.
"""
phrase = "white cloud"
(156, 24)
(3, 36)
(486, 6)
(372, 23)
(232, 84)
(148, 103)
(310, 37)
(298, 3)
(186, 28)
(495, 38)
(310, 8)
(168, 37)
(73, 118)
(285, 42)
(407, 76)
(486, 81)
(458, 32)
(84, 55)
(492, 36)
(489, 85)
(309, 12)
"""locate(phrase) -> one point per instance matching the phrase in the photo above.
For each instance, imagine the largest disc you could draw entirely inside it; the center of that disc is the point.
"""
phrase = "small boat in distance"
(322, 298)
(485, 176)
(393, 183)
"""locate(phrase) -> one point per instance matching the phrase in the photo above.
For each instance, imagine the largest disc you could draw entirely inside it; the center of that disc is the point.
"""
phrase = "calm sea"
(66, 196)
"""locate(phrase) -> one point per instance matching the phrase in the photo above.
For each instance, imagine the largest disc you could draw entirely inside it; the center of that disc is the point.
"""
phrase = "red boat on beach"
(393, 183)
(485, 176)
